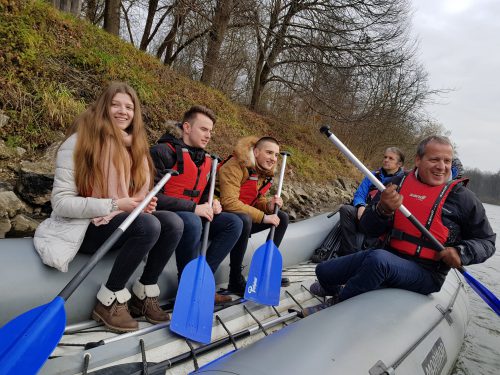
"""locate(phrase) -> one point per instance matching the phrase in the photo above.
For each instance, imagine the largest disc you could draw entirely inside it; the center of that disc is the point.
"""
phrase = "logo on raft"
(434, 362)
(253, 288)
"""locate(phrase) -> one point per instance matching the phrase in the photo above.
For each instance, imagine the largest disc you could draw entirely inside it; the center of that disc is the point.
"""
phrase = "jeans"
(155, 235)
(238, 253)
(374, 269)
(225, 229)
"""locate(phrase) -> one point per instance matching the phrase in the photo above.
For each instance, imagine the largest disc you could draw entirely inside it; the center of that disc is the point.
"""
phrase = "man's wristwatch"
(460, 250)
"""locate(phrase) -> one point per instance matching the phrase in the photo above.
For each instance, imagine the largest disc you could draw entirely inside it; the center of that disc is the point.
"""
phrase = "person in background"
(244, 181)
(187, 193)
(453, 214)
(103, 171)
(392, 165)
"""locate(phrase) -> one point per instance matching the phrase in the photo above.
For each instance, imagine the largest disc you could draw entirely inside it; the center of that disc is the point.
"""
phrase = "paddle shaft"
(206, 226)
(108, 244)
(280, 186)
(183, 357)
(481, 290)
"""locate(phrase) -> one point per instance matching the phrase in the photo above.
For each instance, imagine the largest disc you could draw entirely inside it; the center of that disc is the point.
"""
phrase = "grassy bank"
(52, 65)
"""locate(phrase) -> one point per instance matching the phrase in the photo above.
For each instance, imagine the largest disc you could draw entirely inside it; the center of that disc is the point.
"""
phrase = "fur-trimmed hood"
(243, 152)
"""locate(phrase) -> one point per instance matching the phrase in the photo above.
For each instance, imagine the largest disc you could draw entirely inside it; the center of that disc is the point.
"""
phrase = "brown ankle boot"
(116, 317)
(150, 308)
(220, 298)
(145, 302)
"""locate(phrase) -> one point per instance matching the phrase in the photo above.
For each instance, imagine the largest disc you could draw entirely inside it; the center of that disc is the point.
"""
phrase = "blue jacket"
(361, 196)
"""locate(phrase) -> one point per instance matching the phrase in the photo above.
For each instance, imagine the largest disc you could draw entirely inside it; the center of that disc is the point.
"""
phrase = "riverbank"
(26, 185)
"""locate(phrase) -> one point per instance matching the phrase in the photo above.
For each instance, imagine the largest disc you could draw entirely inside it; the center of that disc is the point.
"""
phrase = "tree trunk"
(220, 21)
(153, 4)
(76, 7)
(112, 16)
(91, 10)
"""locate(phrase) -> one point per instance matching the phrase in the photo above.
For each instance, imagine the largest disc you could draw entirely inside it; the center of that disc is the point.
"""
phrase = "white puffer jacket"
(58, 238)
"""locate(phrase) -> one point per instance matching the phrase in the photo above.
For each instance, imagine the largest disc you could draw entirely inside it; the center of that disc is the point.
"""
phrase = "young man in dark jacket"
(408, 261)
(187, 193)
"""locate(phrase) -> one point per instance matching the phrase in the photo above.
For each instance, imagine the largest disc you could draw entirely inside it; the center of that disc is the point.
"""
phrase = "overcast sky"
(459, 45)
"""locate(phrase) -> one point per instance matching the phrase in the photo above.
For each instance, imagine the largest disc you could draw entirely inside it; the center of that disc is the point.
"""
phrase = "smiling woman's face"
(121, 110)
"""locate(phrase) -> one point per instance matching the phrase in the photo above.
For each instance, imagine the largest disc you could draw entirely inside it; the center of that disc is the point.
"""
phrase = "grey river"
(480, 354)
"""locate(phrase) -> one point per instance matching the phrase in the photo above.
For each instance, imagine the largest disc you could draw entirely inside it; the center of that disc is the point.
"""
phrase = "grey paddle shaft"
(379, 185)
(206, 227)
(280, 185)
(108, 244)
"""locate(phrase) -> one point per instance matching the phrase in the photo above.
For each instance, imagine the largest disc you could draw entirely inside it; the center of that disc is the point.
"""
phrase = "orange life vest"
(250, 192)
(425, 203)
(191, 180)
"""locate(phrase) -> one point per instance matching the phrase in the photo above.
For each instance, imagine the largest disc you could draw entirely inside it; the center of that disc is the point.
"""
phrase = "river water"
(480, 354)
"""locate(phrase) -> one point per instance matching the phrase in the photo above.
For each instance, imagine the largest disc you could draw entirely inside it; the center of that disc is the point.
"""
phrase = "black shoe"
(285, 281)
(237, 285)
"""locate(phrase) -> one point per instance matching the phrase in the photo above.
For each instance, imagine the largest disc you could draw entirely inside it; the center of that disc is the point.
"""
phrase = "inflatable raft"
(385, 331)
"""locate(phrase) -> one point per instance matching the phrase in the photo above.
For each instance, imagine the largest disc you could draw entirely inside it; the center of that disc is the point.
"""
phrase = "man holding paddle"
(244, 180)
(450, 212)
(188, 192)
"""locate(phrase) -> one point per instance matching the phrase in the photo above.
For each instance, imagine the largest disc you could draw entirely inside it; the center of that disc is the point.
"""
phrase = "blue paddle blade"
(483, 292)
(194, 305)
(264, 278)
(27, 341)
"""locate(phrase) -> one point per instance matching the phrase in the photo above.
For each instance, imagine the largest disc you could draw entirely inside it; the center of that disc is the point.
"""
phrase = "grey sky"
(459, 45)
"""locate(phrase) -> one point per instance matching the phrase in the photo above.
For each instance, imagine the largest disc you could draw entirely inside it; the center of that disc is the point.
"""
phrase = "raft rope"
(93, 327)
(86, 362)
(143, 356)
(193, 355)
(256, 320)
(229, 334)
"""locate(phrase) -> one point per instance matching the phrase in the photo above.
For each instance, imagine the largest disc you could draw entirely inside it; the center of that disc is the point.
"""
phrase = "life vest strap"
(191, 193)
(421, 241)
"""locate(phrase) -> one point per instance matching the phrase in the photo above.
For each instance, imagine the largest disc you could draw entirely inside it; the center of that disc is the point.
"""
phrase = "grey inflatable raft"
(387, 331)
(390, 331)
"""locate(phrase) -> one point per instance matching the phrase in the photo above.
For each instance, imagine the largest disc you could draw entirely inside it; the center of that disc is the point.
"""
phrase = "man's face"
(198, 132)
(391, 162)
(266, 155)
(434, 168)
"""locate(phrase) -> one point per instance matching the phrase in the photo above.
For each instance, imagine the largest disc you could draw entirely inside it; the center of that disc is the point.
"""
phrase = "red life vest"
(425, 203)
(250, 192)
(191, 180)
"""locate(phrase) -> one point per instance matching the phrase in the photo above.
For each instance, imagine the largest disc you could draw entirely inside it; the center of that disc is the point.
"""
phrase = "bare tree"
(220, 21)
(71, 6)
(112, 16)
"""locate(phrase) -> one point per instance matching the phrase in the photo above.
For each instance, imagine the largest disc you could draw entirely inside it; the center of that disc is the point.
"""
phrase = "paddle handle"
(108, 244)
(285, 155)
(206, 226)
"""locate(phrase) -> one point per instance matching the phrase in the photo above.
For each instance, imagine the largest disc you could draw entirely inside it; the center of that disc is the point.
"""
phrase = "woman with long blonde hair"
(103, 171)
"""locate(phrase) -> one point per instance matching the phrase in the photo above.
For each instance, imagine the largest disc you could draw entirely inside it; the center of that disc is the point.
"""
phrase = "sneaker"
(285, 281)
(237, 285)
(314, 309)
(317, 289)
(150, 308)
